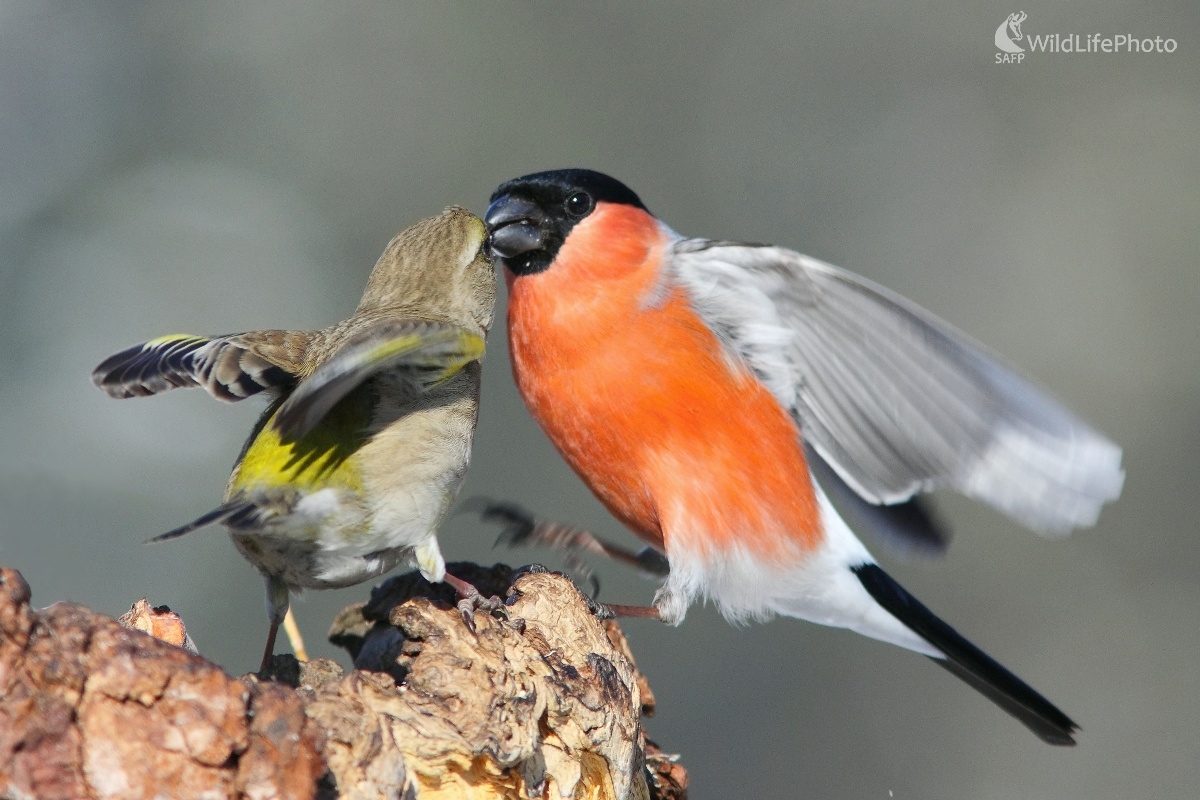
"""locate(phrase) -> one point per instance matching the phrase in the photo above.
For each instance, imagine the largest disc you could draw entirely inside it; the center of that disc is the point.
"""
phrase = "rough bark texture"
(545, 704)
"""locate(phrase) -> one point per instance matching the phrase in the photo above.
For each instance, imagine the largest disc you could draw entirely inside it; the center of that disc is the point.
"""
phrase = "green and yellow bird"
(355, 463)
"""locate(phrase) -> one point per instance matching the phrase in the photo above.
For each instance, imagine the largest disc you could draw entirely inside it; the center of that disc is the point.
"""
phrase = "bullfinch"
(684, 380)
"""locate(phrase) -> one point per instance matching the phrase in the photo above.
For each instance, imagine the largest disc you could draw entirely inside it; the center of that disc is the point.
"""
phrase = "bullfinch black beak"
(514, 227)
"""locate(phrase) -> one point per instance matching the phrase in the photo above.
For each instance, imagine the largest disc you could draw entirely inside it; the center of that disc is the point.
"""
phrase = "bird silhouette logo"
(1007, 41)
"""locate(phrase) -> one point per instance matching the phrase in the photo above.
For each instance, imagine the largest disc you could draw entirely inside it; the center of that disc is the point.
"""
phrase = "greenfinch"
(367, 438)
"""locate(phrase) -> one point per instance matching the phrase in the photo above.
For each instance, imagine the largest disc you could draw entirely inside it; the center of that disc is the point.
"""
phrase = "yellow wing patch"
(321, 459)
(470, 348)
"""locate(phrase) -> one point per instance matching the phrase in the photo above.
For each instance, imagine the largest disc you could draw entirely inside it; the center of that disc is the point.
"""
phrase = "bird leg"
(523, 529)
(612, 611)
(277, 610)
(293, 634)
(470, 598)
(270, 649)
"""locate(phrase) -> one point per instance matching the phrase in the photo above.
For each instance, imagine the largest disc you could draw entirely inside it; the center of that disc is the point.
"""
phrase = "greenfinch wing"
(426, 352)
(230, 368)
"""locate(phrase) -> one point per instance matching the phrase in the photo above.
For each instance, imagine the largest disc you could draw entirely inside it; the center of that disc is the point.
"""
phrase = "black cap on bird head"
(529, 217)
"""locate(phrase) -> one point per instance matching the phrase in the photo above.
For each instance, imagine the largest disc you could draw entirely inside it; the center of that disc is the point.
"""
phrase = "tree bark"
(548, 703)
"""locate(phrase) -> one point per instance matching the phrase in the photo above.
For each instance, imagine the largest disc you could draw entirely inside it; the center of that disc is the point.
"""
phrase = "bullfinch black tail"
(968, 662)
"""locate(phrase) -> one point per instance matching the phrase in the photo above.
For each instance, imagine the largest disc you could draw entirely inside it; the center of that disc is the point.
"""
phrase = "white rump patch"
(818, 587)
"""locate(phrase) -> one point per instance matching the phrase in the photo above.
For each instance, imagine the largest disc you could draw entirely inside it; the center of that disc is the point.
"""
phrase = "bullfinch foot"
(612, 611)
(523, 529)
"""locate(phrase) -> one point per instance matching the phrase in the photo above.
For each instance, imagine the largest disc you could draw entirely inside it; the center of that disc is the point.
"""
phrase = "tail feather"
(232, 514)
(968, 662)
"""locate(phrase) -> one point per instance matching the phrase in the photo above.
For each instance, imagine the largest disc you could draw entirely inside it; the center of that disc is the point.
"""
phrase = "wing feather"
(426, 352)
(895, 399)
(230, 368)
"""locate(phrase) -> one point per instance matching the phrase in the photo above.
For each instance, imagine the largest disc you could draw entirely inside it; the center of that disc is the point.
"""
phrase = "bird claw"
(599, 610)
(470, 599)
(523, 529)
(606, 611)
(468, 604)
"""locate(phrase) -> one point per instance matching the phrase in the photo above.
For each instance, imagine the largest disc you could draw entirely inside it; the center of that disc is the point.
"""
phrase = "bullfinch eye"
(578, 204)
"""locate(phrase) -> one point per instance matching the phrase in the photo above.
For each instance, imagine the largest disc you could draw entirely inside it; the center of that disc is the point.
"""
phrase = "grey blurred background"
(216, 167)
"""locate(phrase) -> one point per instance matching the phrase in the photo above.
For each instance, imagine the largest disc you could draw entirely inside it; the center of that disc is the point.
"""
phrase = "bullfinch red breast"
(684, 379)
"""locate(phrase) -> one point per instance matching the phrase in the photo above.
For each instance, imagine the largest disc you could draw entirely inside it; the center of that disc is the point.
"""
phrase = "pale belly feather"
(411, 470)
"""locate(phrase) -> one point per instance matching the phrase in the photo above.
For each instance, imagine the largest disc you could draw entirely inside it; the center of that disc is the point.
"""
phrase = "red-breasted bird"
(682, 380)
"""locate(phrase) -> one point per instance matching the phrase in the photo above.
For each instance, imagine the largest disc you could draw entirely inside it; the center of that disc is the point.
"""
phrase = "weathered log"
(547, 703)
